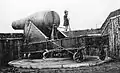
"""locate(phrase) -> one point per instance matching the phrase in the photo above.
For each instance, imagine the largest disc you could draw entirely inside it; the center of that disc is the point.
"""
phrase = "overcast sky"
(83, 14)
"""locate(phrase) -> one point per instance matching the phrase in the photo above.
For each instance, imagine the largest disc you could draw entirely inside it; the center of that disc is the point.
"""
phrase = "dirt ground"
(110, 67)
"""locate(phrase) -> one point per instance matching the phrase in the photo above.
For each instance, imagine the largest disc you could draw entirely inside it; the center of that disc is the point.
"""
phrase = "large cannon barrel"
(40, 19)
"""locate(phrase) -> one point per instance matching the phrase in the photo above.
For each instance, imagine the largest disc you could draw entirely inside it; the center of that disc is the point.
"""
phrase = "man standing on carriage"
(66, 21)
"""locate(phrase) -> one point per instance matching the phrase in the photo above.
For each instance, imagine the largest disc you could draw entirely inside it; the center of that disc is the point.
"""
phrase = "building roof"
(112, 14)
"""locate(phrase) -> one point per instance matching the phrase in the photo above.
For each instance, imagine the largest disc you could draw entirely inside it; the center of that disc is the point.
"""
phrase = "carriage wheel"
(78, 56)
(102, 55)
(45, 55)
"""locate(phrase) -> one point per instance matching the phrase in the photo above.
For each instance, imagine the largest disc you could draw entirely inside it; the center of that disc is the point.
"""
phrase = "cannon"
(43, 20)
(41, 28)
(40, 20)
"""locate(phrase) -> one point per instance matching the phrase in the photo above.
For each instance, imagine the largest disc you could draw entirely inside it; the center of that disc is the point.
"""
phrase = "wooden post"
(112, 37)
(18, 45)
(1, 55)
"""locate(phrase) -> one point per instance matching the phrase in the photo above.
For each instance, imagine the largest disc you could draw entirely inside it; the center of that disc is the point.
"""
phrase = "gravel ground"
(111, 67)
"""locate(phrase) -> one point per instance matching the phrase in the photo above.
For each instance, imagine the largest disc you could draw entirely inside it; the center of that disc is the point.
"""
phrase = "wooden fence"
(10, 45)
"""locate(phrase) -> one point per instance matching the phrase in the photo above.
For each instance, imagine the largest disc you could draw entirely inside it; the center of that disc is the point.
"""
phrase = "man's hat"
(65, 11)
